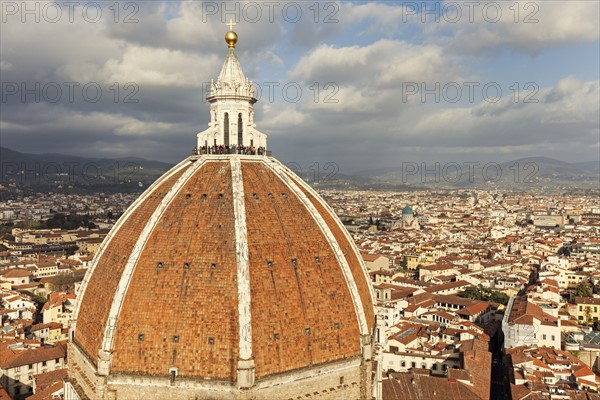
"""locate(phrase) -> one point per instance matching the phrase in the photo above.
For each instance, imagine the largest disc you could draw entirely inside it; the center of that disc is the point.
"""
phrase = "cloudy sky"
(362, 84)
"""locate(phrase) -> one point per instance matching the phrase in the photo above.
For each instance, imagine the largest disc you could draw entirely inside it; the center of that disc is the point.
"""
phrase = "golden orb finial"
(231, 37)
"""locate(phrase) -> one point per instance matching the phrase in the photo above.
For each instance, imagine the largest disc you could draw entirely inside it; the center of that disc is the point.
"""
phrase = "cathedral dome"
(407, 210)
(228, 276)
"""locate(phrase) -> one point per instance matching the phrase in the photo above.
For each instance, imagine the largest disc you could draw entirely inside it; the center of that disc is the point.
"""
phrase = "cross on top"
(231, 24)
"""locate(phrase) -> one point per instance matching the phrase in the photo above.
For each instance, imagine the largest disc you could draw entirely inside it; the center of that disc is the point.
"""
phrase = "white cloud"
(277, 118)
(378, 65)
(521, 25)
(366, 83)
(160, 67)
(6, 66)
(566, 113)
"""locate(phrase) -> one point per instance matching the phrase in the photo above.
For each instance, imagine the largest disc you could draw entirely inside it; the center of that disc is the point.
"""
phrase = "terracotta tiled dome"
(167, 278)
(228, 274)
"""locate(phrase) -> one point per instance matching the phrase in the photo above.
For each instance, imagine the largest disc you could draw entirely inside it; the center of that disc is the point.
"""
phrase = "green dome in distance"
(407, 210)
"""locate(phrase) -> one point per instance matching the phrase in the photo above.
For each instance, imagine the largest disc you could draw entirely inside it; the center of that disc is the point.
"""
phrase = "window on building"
(43, 363)
(544, 337)
(240, 130)
(434, 367)
(30, 366)
(226, 129)
(413, 364)
(553, 338)
(403, 363)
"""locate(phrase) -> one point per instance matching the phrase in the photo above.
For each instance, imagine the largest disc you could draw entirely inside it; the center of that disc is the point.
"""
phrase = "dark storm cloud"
(109, 88)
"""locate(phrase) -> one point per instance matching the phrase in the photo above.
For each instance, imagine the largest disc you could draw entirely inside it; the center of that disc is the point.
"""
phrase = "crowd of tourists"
(230, 149)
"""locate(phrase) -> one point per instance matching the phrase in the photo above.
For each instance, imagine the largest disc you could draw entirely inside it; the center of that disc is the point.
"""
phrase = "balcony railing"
(232, 149)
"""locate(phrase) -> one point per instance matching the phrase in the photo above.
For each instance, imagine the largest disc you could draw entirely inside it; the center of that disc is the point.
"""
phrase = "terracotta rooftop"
(49, 325)
(402, 292)
(49, 378)
(446, 286)
(10, 358)
(438, 267)
(47, 393)
(587, 300)
(523, 312)
(423, 387)
(16, 273)
(57, 299)
(370, 257)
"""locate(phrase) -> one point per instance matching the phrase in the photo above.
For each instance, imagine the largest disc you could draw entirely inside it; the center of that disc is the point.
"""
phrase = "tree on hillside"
(499, 297)
(66, 282)
(485, 294)
(69, 221)
(583, 290)
(474, 292)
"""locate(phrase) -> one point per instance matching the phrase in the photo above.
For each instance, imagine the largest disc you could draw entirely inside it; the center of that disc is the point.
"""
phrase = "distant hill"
(63, 171)
(592, 166)
(60, 171)
(524, 173)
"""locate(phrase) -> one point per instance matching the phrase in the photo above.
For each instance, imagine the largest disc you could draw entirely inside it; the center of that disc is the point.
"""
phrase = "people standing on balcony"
(230, 149)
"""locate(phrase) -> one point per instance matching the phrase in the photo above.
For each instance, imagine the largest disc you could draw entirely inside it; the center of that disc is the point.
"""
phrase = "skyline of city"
(398, 225)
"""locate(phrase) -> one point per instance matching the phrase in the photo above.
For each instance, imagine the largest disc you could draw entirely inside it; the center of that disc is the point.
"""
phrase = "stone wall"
(341, 380)
(82, 373)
